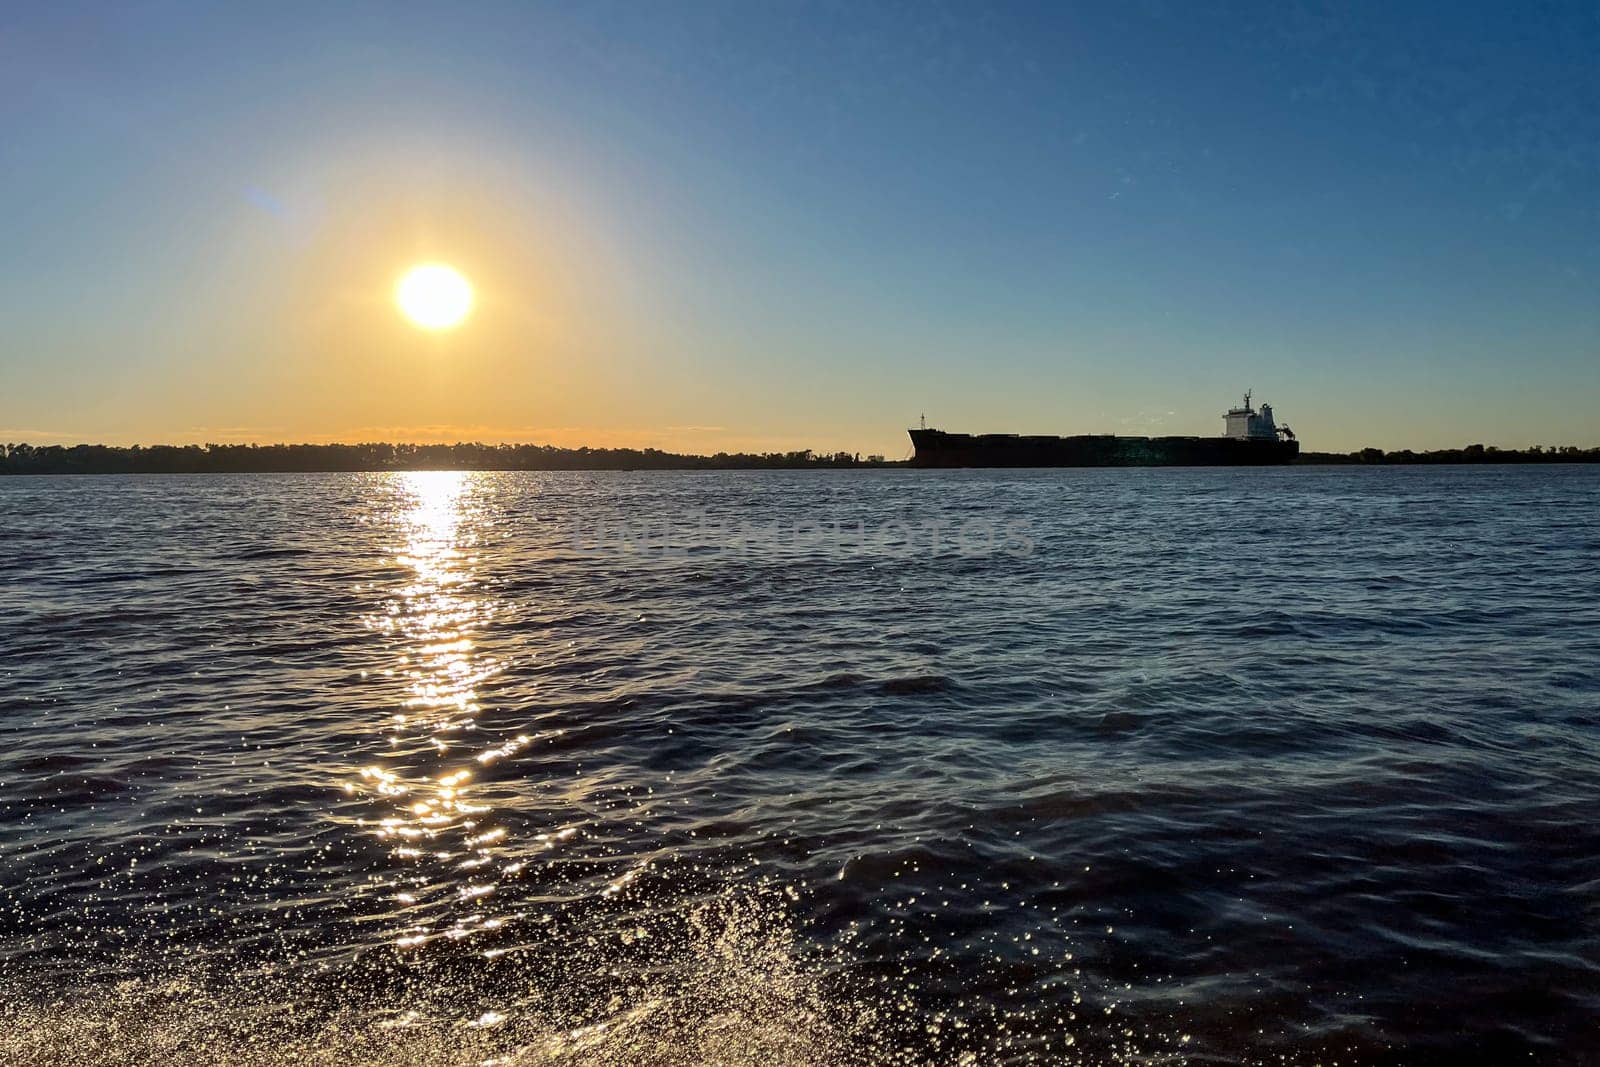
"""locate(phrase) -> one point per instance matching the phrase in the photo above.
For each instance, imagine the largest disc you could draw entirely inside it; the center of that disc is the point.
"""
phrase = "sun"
(434, 296)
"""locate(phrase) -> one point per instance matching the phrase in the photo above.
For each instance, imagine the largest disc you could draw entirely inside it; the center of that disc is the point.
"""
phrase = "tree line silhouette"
(1470, 454)
(226, 459)
(379, 456)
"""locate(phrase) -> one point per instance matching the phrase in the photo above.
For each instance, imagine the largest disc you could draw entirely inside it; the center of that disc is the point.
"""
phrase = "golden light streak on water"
(433, 817)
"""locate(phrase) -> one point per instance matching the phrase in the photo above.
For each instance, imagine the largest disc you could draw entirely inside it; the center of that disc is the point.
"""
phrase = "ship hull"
(936, 448)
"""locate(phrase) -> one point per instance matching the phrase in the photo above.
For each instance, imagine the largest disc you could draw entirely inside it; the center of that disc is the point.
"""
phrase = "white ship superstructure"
(1247, 424)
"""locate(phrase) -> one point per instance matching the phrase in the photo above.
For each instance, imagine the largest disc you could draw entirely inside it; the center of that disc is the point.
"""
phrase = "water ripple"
(1231, 767)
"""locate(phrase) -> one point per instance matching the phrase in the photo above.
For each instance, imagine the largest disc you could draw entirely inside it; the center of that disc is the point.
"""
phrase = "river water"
(1183, 766)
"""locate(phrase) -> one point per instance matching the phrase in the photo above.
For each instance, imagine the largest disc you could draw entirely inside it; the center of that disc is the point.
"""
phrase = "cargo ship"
(1250, 438)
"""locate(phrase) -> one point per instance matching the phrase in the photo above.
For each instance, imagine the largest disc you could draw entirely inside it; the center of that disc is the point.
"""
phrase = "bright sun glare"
(434, 296)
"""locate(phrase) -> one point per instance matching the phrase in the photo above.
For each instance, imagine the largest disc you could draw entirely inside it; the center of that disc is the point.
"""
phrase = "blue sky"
(741, 225)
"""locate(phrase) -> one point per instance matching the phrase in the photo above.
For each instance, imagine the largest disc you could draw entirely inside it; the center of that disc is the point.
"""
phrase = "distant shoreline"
(381, 456)
(23, 459)
(1472, 454)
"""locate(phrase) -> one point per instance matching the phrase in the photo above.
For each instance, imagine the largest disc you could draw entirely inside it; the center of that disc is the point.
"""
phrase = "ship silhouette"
(1251, 438)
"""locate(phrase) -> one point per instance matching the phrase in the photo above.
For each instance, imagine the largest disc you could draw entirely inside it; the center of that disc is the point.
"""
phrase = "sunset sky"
(774, 226)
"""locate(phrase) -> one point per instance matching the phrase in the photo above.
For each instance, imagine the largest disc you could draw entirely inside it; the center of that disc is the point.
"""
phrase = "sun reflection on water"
(446, 838)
